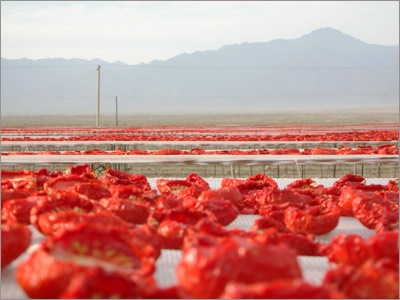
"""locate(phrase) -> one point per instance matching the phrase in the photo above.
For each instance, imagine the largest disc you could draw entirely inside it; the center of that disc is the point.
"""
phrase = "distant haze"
(322, 70)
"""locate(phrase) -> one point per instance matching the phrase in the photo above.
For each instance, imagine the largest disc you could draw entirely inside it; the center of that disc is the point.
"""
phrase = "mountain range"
(320, 71)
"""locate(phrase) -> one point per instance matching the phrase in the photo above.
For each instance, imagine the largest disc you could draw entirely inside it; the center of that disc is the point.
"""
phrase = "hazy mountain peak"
(329, 35)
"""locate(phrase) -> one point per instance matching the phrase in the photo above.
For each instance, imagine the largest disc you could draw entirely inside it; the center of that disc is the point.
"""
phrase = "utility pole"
(98, 96)
(116, 111)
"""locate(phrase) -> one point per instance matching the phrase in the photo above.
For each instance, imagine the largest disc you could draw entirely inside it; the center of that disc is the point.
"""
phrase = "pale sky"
(136, 32)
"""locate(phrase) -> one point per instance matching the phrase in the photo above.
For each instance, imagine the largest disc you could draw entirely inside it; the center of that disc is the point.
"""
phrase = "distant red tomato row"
(95, 247)
(371, 135)
(238, 129)
(388, 149)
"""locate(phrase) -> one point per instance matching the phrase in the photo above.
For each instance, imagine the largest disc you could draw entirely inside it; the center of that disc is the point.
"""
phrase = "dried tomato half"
(277, 196)
(17, 184)
(43, 175)
(128, 210)
(369, 208)
(134, 193)
(116, 177)
(65, 182)
(92, 190)
(231, 194)
(311, 220)
(267, 222)
(223, 210)
(304, 184)
(61, 258)
(348, 249)
(194, 178)
(54, 222)
(19, 210)
(353, 250)
(233, 259)
(168, 201)
(171, 225)
(15, 239)
(349, 180)
(83, 170)
(372, 280)
(166, 186)
(60, 202)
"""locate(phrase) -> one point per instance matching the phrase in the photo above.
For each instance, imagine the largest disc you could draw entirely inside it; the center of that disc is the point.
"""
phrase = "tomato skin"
(127, 210)
(15, 239)
(94, 191)
(166, 202)
(373, 280)
(393, 185)
(289, 289)
(115, 177)
(368, 208)
(268, 222)
(349, 249)
(194, 178)
(17, 184)
(172, 225)
(311, 220)
(229, 193)
(349, 180)
(233, 259)
(43, 277)
(388, 222)
(384, 245)
(194, 191)
(44, 175)
(303, 245)
(223, 210)
(97, 283)
(171, 234)
(19, 210)
(82, 170)
(304, 184)
(346, 200)
(277, 196)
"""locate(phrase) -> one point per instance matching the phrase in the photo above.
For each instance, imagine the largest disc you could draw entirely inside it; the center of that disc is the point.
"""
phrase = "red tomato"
(312, 220)
(288, 289)
(61, 258)
(233, 259)
(15, 239)
(373, 280)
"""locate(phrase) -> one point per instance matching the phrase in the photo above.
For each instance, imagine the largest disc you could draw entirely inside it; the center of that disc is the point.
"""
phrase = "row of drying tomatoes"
(83, 258)
(193, 129)
(371, 135)
(388, 149)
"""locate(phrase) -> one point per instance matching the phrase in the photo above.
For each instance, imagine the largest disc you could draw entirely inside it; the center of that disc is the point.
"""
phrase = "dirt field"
(207, 119)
